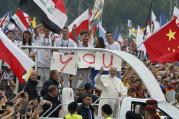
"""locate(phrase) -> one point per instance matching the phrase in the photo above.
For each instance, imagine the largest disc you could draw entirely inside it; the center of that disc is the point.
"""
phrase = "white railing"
(56, 109)
(94, 104)
(47, 111)
(141, 70)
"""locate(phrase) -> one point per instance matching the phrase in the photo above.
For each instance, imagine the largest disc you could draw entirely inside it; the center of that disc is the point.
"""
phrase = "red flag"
(20, 19)
(163, 46)
(81, 23)
(14, 57)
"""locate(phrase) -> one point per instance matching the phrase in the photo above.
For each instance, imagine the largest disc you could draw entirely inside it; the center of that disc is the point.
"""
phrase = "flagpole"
(177, 3)
(171, 2)
(69, 1)
(147, 19)
(146, 22)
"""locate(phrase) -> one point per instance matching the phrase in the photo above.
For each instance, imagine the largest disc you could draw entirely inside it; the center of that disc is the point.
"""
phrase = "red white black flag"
(21, 20)
(51, 13)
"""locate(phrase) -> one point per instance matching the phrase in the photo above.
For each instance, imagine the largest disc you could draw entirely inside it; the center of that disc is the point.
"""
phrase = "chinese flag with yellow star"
(163, 46)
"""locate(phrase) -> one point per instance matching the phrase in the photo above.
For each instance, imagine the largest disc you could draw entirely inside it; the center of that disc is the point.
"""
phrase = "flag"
(97, 11)
(129, 23)
(34, 24)
(175, 12)
(117, 35)
(14, 57)
(148, 31)
(81, 23)
(163, 19)
(26, 76)
(163, 46)
(51, 13)
(5, 20)
(21, 20)
(132, 32)
(140, 40)
(101, 31)
(155, 23)
(11, 26)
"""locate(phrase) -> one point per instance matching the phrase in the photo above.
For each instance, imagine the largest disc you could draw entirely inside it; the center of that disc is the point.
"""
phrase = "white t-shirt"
(65, 43)
(41, 41)
(26, 50)
(114, 46)
(17, 43)
(81, 45)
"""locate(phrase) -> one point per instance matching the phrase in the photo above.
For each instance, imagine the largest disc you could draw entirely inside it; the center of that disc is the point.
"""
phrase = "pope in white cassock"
(112, 87)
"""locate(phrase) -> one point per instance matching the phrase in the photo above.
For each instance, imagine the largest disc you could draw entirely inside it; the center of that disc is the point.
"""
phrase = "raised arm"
(99, 83)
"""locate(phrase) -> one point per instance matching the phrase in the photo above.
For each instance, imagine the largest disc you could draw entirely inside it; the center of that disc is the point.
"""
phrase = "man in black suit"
(87, 90)
(52, 96)
(85, 109)
(54, 79)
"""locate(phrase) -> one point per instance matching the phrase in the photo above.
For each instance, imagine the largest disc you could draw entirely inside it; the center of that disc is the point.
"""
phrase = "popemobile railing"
(139, 67)
(94, 104)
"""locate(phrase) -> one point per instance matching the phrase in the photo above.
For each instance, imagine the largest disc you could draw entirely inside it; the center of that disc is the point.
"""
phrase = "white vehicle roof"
(164, 106)
(138, 66)
(169, 109)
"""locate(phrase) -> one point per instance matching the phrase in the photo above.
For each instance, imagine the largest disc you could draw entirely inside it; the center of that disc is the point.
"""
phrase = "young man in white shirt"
(43, 38)
(111, 44)
(86, 42)
(83, 74)
(65, 41)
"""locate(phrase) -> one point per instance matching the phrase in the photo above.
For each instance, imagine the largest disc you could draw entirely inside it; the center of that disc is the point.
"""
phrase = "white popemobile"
(166, 110)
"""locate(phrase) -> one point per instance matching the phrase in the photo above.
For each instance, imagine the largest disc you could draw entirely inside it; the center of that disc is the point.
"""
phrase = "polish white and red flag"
(19, 62)
(81, 23)
(21, 19)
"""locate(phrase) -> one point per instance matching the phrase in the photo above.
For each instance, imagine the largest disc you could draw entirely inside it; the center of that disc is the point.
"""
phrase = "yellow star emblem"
(171, 35)
(173, 50)
(168, 49)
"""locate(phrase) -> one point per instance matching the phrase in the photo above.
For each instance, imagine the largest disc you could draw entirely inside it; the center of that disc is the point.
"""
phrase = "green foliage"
(6, 5)
(117, 12)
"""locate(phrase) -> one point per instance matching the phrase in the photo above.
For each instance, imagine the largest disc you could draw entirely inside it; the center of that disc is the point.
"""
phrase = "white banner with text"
(69, 63)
